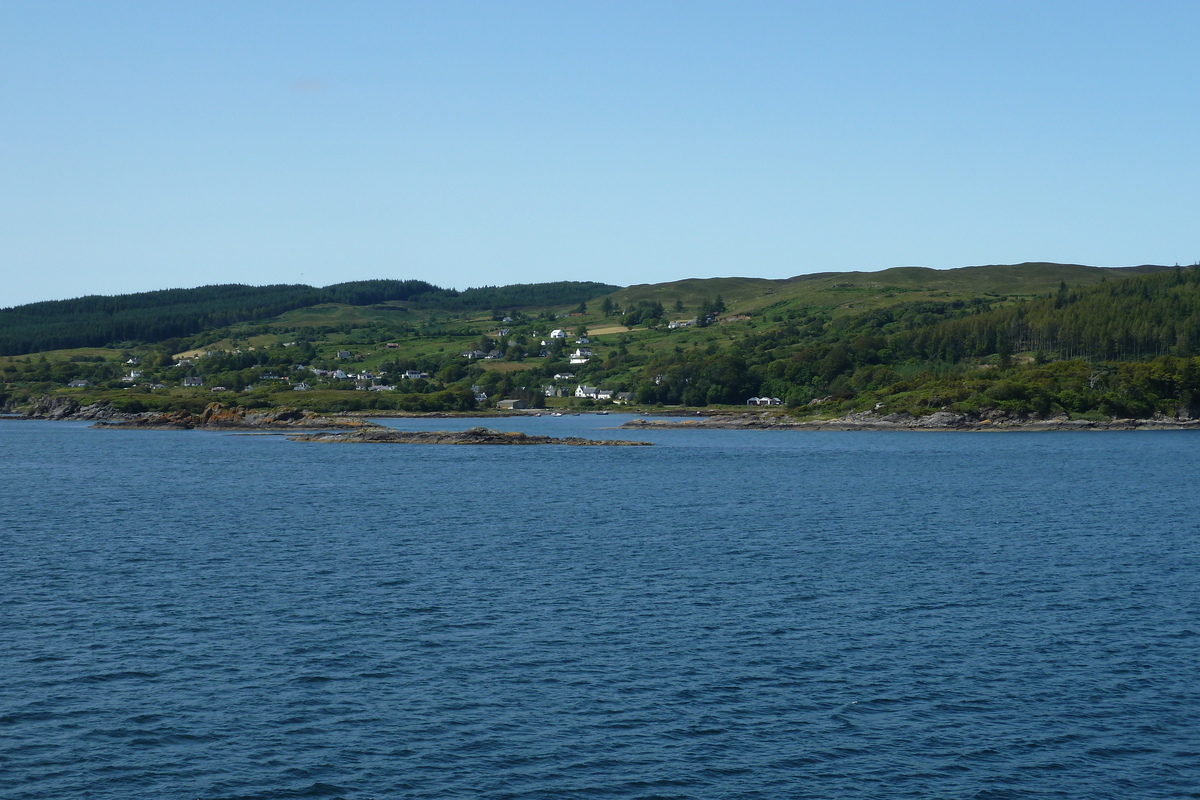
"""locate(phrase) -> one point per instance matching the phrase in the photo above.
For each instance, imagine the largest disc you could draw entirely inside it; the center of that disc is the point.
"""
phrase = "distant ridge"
(98, 320)
(1006, 279)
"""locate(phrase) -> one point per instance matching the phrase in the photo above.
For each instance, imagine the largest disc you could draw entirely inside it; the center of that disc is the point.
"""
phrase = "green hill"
(1024, 338)
(97, 321)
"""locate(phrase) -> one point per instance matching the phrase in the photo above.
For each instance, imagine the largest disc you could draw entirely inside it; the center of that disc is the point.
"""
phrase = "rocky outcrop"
(469, 436)
(217, 416)
(67, 408)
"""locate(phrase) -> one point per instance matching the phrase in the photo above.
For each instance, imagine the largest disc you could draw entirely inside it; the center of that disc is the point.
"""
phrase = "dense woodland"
(147, 317)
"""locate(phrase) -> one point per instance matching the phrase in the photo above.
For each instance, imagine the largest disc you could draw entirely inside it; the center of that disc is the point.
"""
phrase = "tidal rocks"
(380, 435)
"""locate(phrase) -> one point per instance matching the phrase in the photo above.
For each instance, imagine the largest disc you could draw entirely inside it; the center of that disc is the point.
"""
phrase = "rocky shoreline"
(220, 417)
(479, 436)
(215, 416)
(937, 421)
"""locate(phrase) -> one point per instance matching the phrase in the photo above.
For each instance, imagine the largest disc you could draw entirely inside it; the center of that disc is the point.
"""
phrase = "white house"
(189, 382)
(583, 390)
(604, 394)
(558, 333)
(564, 376)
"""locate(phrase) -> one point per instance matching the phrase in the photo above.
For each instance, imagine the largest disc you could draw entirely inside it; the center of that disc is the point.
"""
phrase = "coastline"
(218, 416)
(943, 421)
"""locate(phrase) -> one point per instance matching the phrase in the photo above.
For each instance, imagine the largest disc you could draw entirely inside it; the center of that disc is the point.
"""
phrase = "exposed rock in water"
(68, 408)
(221, 417)
(470, 436)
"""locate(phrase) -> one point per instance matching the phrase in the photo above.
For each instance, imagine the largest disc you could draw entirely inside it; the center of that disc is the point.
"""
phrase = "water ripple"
(724, 615)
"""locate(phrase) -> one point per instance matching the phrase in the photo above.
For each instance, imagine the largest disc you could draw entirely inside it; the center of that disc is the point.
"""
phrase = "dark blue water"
(725, 615)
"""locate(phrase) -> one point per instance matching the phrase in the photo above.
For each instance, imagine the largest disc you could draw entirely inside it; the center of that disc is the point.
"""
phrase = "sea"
(724, 614)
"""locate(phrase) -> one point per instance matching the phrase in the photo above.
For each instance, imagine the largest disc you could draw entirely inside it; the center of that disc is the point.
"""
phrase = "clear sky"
(147, 145)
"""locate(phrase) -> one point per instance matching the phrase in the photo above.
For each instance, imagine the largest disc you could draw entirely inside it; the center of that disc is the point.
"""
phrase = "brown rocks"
(470, 436)
(217, 416)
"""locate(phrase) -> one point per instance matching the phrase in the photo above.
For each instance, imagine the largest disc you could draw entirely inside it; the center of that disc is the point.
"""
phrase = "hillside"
(1026, 338)
(836, 289)
(97, 321)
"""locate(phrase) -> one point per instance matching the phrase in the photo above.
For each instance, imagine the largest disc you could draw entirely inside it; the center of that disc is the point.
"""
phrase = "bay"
(725, 614)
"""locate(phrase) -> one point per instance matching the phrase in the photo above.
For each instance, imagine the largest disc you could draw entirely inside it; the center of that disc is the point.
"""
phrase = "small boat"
(556, 414)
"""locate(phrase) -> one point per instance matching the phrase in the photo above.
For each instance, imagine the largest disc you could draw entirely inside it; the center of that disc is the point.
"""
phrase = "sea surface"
(727, 614)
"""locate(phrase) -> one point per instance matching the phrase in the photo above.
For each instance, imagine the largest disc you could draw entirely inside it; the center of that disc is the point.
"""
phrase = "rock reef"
(379, 435)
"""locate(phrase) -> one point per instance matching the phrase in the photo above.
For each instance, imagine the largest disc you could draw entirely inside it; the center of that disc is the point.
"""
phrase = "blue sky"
(154, 145)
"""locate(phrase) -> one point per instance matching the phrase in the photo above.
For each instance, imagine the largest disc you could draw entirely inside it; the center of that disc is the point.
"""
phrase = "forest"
(124, 320)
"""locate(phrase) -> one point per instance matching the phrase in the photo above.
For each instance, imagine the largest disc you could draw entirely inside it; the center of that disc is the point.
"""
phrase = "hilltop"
(1033, 339)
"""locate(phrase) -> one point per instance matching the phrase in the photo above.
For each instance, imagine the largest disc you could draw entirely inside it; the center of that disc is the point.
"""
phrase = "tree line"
(99, 321)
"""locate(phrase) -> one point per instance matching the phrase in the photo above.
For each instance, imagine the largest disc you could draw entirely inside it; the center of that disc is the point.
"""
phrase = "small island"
(380, 435)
